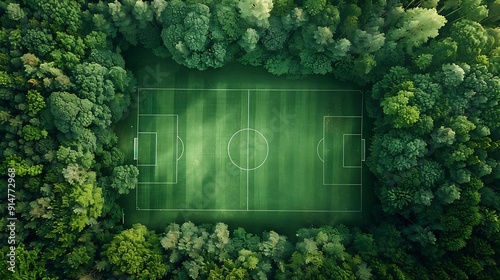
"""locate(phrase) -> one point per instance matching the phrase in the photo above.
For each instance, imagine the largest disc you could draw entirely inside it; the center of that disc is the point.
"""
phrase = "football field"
(249, 150)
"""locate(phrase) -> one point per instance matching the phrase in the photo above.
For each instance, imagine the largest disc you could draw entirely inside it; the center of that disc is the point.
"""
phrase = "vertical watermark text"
(11, 218)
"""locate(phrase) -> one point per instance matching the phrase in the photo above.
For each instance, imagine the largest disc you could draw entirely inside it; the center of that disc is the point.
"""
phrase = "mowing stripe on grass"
(252, 150)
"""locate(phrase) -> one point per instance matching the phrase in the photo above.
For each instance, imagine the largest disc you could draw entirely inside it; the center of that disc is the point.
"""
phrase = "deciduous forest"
(430, 71)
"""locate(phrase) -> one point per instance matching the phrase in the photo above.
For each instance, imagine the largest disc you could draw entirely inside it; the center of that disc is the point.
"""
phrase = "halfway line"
(248, 138)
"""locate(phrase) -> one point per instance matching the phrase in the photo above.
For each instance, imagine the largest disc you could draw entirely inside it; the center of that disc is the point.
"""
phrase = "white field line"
(248, 126)
(248, 140)
(324, 158)
(246, 89)
(343, 151)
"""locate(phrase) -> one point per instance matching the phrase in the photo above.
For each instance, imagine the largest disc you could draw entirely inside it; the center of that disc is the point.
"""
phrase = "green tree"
(15, 12)
(38, 42)
(448, 193)
(279, 65)
(36, 102)
(122, 15)
(471, 39)
(314, 7)
(275, 36)
(4, 116)
(323, 36)
(91, 84)
(275, 246)
(81, 256)
(256, 11)
(22, 166)
(143, 13)
(474, 10)
(421, 235)
(103, 24)
(124, 178)
(196, 25)
(459, 219)
(174, 13)
(364, 244)
(462, 128)
(363, 65)
(249, 40)
(30, 264)
(31, 133)
(314, 62)
(64, 15)
(444, 136)
(453, 75)
(74, 174)
(395, 199)
(443, 51)
(397, 107)
(227, 17)
(390, 243)
(85, 202)
(282, 7)
(136, 252)
(220, 237)
(243, 240)
(350, 18)
(367, 42)
(248, 259)
(294, 19)
(69, 111)
(329, 16)
(417, 26)
(396, 151)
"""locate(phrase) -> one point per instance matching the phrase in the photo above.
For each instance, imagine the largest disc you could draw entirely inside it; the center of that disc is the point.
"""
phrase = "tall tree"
(135, 252)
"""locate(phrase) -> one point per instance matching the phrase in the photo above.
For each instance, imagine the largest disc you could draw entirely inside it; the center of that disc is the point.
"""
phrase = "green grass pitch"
(249, 150)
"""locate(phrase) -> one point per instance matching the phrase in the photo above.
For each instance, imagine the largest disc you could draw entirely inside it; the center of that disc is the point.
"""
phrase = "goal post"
(135, 149)
(363, 150)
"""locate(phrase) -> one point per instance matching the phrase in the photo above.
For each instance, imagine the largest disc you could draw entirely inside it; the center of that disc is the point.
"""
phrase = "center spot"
(248, 149)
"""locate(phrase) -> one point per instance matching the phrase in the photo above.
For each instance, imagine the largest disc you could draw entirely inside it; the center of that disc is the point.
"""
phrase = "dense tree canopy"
(429, 70)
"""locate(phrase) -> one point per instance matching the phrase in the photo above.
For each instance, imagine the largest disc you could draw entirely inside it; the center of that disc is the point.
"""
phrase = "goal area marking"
(344, 148)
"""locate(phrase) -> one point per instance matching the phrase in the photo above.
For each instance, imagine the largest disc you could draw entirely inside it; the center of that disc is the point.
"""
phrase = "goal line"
(135, 148)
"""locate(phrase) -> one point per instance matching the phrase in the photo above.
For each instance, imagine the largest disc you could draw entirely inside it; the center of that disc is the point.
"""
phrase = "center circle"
(248, 149)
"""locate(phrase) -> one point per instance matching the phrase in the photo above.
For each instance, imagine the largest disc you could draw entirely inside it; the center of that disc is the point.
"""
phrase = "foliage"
(430, 74)
(416, 26)
(15, 11)
(256, 11)
(136, 252)
(124, 178)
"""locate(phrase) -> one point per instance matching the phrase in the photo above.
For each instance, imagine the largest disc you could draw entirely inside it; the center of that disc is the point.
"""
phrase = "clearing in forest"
(249, 150)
